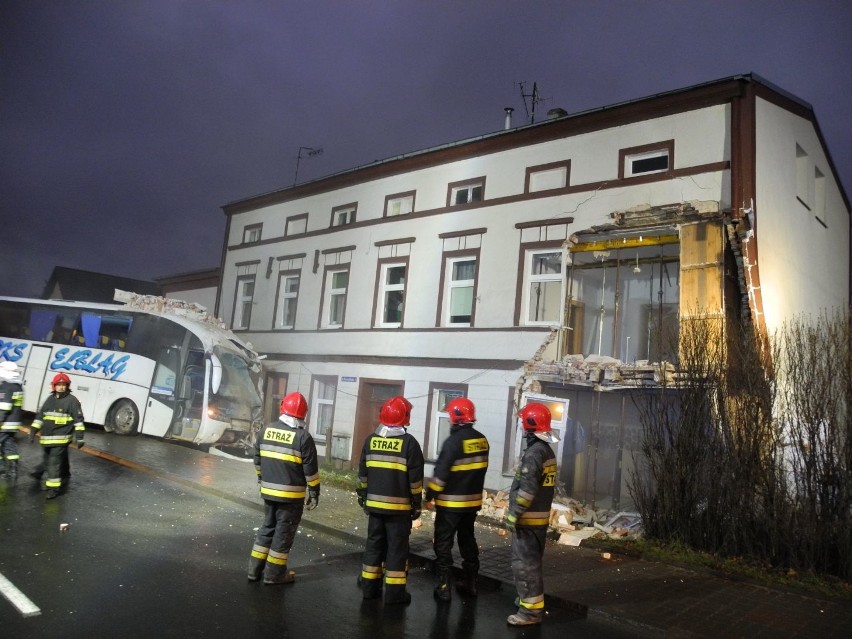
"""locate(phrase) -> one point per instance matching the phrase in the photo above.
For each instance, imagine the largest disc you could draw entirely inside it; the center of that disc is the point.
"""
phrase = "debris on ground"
(569, 518)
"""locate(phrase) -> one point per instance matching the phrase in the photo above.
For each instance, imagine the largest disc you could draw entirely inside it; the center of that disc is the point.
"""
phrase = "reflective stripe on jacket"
(460, 470)
(390, 472)
(532, 489)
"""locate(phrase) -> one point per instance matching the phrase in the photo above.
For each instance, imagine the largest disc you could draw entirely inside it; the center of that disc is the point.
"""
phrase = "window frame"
(389, 199)
(382, 288)
(531, 171)
(240, 302)
(646, 151)
(444, 296)
(281, 294)
(315, 402)
(327, 294)
(291, 221)
(453, 188)
(523, 284)
(248, 232)
(433, 415)
(351, 209)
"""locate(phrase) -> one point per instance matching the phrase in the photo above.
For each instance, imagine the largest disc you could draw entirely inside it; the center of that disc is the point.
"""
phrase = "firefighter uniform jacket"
(390, 473)
(11, 400)
(460, 471)
(59, 420)
(532, 489)
(286, 462)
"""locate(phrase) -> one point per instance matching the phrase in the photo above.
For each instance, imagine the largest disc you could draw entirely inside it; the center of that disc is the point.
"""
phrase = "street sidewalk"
(649, 599)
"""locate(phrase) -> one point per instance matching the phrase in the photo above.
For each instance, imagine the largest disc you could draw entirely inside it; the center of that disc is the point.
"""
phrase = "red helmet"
(294, 405)
(461, 411)
(535, 419)
(396, 412)
(61, 378)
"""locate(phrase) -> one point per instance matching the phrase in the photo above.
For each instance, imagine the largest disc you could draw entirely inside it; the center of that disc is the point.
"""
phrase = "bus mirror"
(215, 373)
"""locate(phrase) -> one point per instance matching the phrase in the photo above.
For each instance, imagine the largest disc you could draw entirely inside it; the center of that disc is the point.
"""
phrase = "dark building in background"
(87, 286)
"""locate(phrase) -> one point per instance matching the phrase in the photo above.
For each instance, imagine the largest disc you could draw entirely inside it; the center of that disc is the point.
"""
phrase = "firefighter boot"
(370, 588)
(12, 472)
(277, 574)
(467, 586)
(443, 591)
(255, 568)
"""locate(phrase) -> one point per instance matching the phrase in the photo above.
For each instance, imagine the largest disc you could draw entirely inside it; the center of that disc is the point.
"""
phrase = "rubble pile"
(153, 303)
(570, 519)
(600, 369)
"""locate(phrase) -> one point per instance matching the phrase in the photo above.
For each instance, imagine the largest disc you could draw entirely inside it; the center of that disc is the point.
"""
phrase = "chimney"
(508, 124)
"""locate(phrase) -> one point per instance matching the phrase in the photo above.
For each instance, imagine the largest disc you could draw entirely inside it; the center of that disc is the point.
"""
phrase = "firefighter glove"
(313, 498)
(510, 523)
(415, 514)
(80, 444)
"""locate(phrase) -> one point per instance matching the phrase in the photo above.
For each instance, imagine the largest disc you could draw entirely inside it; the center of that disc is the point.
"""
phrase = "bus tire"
(123, 417)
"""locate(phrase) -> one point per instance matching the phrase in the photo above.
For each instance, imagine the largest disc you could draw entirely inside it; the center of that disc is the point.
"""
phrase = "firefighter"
(456, 490)
(288, 474)
(390, 490)
(11, 400)
(59, 420)
(529, 513)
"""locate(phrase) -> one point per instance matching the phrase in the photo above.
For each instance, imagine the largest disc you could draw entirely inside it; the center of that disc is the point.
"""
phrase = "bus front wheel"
(124, 417)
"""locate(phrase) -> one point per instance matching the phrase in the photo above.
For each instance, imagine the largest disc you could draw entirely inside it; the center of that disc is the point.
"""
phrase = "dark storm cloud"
(126, 125)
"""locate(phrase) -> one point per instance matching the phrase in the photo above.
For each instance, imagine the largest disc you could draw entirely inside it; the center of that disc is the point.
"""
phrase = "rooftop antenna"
(311, 153)
(535, 98)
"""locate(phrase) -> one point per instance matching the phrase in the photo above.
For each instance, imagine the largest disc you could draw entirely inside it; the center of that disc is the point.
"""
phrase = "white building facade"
(448, 271)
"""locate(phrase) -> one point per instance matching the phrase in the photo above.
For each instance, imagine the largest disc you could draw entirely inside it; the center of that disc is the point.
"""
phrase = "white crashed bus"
(169, 373)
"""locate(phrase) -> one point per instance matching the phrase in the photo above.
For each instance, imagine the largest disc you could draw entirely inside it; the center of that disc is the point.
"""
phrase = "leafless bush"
(749, 455)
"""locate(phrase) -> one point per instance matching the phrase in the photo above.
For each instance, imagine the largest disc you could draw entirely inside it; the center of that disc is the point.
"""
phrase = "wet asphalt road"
(144, 557)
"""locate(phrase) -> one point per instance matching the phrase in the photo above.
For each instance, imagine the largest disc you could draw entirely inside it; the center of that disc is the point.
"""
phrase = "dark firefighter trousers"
(527, 552)
(8, 447)
(54, 464)
(387, 544)
(275, 537)
(449, 524)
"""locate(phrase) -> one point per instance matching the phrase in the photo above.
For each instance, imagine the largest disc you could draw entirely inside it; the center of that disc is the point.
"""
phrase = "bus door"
(160, 407)
(34, 381)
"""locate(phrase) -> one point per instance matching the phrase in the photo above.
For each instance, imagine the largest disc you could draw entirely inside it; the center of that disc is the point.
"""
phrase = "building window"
(819, 197)
(543, 286)
(391, 294)
(646, 160)
(546, 177)
(288, 296)
(438, 421)
(459, 290)
(322, 412)
(243, 302)
(296, 225)
(399, 204)
(251, 233)
(343, 215)
(802, 177)
(465, 192)
(336, 284)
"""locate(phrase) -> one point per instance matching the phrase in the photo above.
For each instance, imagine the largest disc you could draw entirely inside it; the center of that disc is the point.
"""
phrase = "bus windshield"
(235, 389)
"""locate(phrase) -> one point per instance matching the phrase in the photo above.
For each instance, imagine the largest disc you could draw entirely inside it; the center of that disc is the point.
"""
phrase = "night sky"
(125, 125)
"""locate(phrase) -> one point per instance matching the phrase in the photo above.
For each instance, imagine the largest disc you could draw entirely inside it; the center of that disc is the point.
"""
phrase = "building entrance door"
(372, 393)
